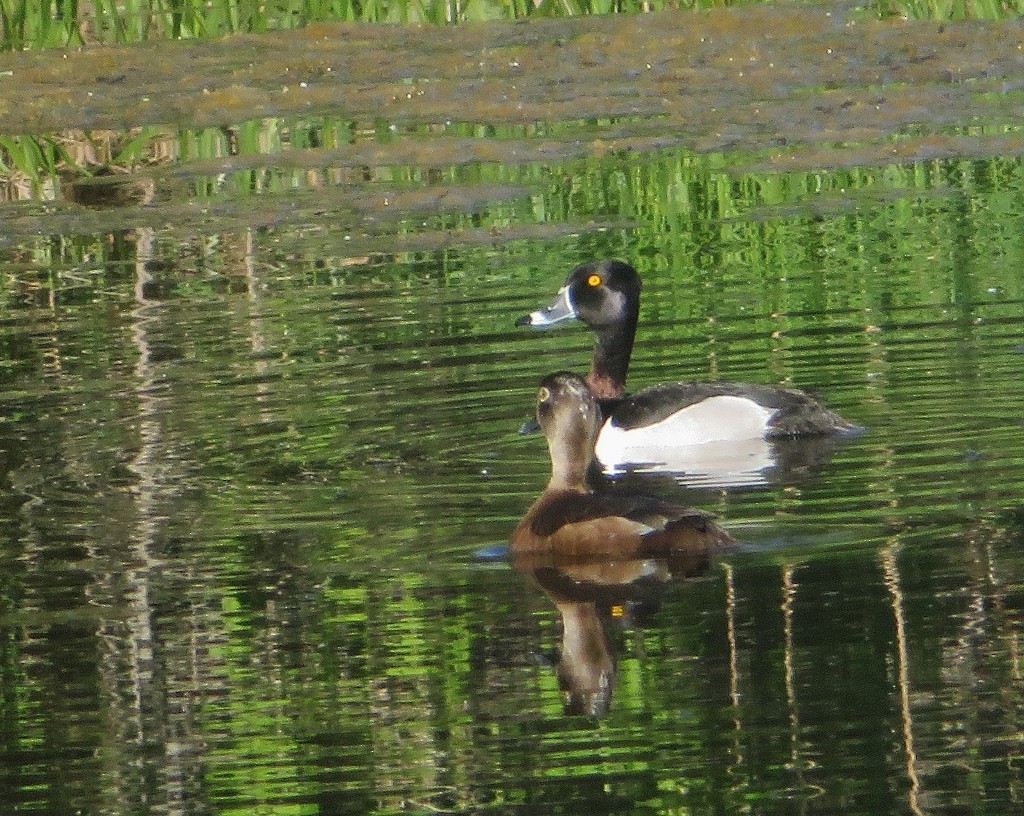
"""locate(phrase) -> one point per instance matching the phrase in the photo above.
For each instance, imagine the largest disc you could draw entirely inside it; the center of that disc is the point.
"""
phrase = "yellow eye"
(543, 395)
(594, 280)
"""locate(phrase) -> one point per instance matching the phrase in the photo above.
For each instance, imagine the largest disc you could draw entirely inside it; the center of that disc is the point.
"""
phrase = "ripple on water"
(243, 471)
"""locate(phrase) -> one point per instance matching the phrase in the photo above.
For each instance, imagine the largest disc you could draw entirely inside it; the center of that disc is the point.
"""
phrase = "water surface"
(260, 418)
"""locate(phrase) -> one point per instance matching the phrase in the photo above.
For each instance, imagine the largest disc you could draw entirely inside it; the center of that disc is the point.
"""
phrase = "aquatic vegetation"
(31, 24)
(34, 24)
(947, 9)
(32, 166)
(27, 160)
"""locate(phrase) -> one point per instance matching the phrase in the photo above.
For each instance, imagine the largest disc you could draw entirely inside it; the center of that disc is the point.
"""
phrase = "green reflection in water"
(809, 95)
(245, 470)
(32, 26)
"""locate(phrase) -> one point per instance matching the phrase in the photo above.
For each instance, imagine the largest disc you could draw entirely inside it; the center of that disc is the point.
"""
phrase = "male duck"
(641, 427)
(568, 521)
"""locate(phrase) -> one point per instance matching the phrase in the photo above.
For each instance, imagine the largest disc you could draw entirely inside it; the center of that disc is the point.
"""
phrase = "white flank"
(719, 440)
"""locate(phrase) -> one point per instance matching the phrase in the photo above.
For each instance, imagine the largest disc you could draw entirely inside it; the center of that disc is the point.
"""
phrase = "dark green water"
(246, 468)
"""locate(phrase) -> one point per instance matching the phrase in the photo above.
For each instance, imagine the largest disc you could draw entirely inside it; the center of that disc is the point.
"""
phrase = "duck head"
(570, 418)
(605, 295)
(599, 293)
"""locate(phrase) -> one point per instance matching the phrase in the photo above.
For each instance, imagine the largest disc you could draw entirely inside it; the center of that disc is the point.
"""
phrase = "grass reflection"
(317, 637)
(28, 24)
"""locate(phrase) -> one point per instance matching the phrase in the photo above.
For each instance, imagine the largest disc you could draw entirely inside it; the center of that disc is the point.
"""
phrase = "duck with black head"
(570, 521)
(644, 427)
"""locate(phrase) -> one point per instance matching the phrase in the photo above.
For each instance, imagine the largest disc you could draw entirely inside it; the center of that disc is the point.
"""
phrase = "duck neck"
(607, 376)
(570, 464)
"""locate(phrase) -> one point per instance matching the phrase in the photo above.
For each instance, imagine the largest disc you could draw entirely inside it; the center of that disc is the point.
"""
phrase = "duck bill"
(560, 309)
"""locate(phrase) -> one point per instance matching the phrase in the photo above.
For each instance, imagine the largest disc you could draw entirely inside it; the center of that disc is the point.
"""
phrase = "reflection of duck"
(585, 595)
(675, 424)
(569, 521)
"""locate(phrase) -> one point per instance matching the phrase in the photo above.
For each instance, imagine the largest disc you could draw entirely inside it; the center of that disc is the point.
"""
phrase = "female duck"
(606, 296)
(570, 521)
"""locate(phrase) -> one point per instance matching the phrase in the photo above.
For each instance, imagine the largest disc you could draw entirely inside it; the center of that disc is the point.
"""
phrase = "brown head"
(570, 418)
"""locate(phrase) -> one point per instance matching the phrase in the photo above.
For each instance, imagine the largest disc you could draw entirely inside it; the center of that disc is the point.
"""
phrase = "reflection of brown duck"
(569, 521)
(584, 594)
